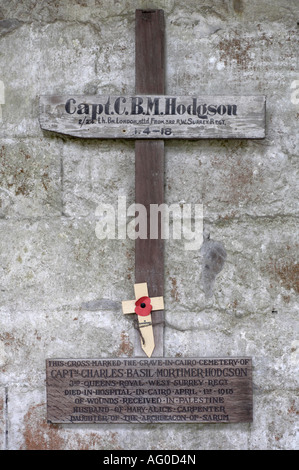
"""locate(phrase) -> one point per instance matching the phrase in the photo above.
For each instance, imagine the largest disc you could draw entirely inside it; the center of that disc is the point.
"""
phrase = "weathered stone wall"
(61, 286)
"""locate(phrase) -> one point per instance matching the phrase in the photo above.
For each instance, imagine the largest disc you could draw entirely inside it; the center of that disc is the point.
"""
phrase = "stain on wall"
(213, 259)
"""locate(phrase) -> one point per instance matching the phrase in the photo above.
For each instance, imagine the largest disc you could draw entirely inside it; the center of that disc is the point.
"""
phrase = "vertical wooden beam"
(149, 164)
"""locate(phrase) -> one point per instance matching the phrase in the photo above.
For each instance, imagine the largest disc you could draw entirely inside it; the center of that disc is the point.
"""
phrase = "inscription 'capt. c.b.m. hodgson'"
(149, 106)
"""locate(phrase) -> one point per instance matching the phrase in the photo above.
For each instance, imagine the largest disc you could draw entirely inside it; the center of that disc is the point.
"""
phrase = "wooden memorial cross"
(149, 165)
(151, 390)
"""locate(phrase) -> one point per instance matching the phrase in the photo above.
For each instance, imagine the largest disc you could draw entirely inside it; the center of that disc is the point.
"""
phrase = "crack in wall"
(9, 25)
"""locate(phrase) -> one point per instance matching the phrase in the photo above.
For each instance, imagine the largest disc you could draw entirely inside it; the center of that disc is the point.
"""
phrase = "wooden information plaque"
(160, 390)
(154, 117)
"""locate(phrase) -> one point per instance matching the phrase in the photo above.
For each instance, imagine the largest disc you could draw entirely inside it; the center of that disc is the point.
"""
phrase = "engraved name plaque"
(154, 117)
(160, 390)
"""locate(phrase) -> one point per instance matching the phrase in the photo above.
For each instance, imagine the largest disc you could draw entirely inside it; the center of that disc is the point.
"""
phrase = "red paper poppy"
(143, 306)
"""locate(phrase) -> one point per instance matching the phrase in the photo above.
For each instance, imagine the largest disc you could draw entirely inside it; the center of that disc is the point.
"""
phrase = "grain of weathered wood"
(162, 390)
(149, 164)
(158, 116)
(150, 52)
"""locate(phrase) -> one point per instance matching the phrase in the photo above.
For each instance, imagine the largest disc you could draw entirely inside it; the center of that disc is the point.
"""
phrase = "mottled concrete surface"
(61, 286)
